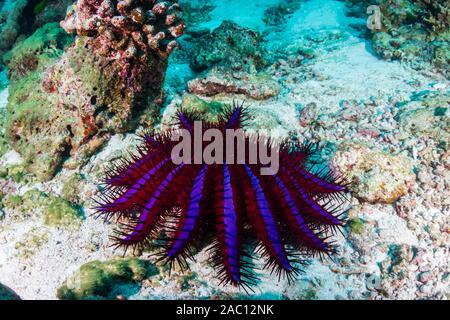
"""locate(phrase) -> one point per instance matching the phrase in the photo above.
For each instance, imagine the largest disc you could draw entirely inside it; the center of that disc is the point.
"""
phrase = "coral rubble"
(377, 177)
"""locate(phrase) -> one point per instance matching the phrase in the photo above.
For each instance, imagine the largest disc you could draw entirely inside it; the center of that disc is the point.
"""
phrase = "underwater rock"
(376, 176)
(72, 188)
(7, 294)
(229, 47)
(57, 212)
(46, 11)
(19, 18)
(107, 82)
(232, 61)
(32, 124)
(10, 15)
(259, 86)
(277, 15)
(195, 12)
(208, 110)
(4, 147)
(106, 280)
(31, 242)
(45, 45)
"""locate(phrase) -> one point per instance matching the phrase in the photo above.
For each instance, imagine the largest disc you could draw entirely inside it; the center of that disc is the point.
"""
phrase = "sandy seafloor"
(345, 71)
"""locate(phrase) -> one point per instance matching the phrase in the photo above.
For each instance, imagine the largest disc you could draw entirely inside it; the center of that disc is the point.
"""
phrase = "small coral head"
(286, 216)
(128, 28)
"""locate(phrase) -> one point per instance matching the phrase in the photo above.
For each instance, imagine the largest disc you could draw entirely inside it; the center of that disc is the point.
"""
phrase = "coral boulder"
(107, 81)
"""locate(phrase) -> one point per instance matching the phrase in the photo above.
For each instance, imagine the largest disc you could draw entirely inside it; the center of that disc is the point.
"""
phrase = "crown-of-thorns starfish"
(286, 216)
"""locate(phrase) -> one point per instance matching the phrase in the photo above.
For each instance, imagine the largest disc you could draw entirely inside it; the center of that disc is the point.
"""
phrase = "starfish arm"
(296, 222)
(263, 221)
(308, 205)
(143, 226)
(227, 228)
(189, 219)
(139, 192)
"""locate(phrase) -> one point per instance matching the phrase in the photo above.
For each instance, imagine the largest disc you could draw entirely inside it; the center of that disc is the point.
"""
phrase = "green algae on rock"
(208, 110)
(31, 124)
(425, 114)
(61, 213)
(106, 280)
(30, 242)
(20, 18)
(57, 212)
(71, 190)
(37, 51)
(356, 225)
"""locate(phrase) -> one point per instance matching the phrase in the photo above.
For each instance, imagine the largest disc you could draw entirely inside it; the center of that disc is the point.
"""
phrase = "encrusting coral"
(106, 82)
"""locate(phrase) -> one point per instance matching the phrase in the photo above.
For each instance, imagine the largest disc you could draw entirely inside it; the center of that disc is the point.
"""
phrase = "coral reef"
(142, 191)
(105, 280)
(127, 30)
(413, 31)
(107, 81)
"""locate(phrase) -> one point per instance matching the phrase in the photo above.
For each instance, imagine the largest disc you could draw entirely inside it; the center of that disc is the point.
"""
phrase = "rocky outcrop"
(231, 60)
(20, 18)
(107, 82)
